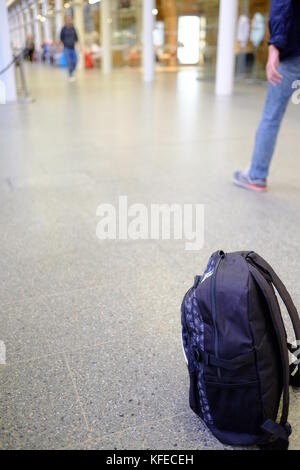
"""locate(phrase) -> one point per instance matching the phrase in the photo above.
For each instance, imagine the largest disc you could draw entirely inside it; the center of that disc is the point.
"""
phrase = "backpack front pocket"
(235, 406)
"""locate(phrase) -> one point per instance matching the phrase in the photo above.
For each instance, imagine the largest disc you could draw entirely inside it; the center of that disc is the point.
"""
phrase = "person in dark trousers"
(283, 71)
(29, 48)
(68, 37)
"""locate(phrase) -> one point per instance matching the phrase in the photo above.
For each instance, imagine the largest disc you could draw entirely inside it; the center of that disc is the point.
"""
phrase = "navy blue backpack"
(236, 348)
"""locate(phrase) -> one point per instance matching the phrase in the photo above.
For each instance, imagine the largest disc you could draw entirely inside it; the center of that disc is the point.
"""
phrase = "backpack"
(236, 349)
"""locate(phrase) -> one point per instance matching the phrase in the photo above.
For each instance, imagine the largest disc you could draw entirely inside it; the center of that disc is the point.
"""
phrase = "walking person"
(29, 48)
(69, 38)
(283, 69)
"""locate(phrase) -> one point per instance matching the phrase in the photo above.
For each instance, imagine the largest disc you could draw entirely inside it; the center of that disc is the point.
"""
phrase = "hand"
(273, 75)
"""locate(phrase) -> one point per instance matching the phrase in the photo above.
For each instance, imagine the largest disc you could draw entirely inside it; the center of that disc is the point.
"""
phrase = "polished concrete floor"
(91, 328)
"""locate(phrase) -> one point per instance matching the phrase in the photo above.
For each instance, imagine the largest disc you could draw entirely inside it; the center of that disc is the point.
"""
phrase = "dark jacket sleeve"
(280, 19)
(62, 34)
(75, 35)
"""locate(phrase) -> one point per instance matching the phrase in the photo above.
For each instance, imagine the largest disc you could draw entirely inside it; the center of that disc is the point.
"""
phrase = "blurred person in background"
(29, 48)
(45, 51)
(69, 38)
(283, 69)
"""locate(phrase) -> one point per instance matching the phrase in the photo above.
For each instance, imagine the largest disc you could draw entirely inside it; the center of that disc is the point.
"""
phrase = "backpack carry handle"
(263, 266)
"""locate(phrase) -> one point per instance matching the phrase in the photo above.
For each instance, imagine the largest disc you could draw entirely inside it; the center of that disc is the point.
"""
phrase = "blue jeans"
(276, 102)
(71, 59)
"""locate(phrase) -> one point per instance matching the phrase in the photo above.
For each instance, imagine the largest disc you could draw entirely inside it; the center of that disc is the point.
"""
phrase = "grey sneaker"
(242, 179)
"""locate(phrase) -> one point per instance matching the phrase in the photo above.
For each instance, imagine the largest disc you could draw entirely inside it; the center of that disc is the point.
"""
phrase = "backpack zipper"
(221, 255)
(183, 302)
(183, 311)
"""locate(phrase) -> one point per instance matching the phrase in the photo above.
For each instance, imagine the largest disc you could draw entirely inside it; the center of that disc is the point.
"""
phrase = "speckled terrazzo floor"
(92, 329)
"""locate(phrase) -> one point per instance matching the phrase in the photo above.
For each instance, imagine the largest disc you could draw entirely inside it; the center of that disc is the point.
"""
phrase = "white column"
(7, 79)
(148, 53)
(10, 22)
(14, 32)
(21, 26)
(46, 29)
(28, 28)
(225, 51)
(17, 30)
(58, 17)
(106, 22)
(79, 26)
(78, 20)
(36, 29)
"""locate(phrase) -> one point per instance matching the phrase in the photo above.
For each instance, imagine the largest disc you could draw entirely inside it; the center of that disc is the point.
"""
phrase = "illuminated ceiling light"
(43, 19)
(155, 11)
(92, 2)
(67, 5)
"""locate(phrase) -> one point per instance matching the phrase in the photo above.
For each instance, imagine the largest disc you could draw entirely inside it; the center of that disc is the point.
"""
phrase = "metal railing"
(15, 58)
(18, 60)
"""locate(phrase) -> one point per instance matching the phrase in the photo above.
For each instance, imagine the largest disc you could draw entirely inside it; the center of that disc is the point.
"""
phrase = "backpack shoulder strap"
(270, 275)
(278, 433)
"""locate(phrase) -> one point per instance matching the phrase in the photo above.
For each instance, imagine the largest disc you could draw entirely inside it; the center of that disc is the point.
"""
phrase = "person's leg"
(74, 60)
(67, 53)
(275, 106)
